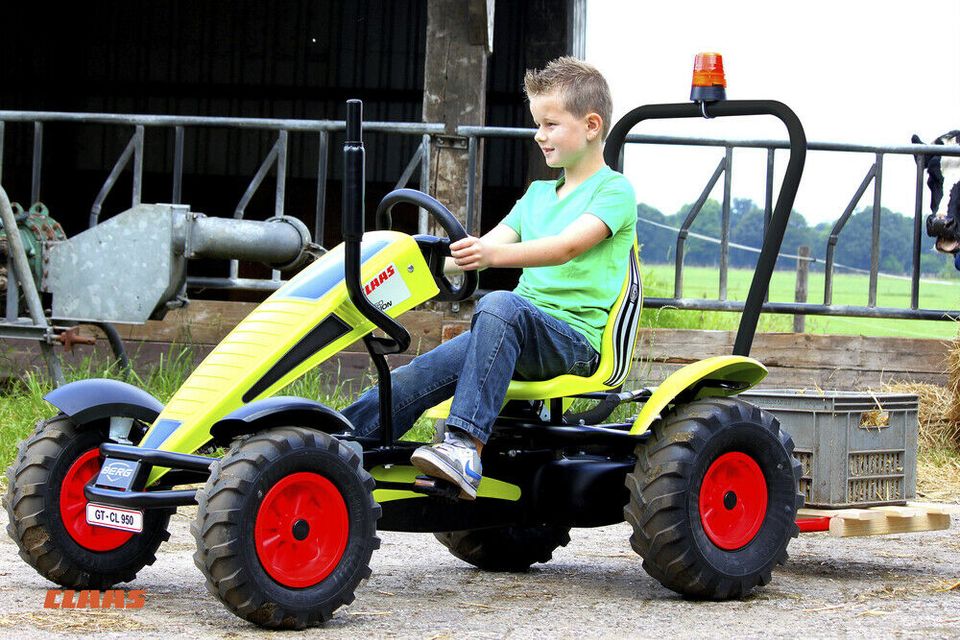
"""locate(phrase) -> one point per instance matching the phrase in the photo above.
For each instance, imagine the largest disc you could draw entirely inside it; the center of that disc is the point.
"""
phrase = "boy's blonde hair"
(580, 86)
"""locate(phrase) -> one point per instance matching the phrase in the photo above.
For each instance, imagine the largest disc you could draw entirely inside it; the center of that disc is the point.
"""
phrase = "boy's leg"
(509, 337)
(428, 380)
(512, 338)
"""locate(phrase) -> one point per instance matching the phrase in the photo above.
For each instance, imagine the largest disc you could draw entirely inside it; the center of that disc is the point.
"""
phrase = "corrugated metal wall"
(297, 59)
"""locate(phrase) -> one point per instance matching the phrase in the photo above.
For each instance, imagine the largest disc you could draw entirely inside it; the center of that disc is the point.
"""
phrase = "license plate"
(111, 517)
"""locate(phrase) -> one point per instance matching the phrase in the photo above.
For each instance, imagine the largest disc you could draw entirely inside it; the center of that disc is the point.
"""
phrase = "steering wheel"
(440, 246)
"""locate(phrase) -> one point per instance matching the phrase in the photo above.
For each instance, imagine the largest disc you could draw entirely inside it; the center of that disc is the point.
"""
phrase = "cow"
(943, 179)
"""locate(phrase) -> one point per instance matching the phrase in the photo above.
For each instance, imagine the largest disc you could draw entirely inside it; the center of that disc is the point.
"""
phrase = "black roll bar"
(773, 238)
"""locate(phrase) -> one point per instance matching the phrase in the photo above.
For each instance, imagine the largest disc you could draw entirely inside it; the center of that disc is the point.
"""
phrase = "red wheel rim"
(733, 500)
(301, 530)
(73, 507)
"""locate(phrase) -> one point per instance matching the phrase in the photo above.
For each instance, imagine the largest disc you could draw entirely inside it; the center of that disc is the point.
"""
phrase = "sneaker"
(454, 460)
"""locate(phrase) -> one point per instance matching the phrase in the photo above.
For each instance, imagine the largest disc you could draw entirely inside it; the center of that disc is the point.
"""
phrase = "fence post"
(803, 270)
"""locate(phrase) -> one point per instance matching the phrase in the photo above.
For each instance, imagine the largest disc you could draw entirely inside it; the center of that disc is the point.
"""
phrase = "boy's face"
(563, 137)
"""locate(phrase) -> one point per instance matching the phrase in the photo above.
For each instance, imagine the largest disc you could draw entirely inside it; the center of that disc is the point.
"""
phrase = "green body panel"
(395, 276)
(405, 474)
(740, 370)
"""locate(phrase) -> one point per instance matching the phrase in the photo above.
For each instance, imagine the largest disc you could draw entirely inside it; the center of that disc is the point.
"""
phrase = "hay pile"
(937, 429)
(953, 381)
(939, 410)
(938, 457)
(938, 462)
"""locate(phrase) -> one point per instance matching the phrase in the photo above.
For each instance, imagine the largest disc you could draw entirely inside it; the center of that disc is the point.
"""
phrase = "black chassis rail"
(189, 468)
(185, 468)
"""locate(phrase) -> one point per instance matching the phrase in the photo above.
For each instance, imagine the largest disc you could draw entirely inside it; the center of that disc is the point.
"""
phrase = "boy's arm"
(499, 235)
(479, 253)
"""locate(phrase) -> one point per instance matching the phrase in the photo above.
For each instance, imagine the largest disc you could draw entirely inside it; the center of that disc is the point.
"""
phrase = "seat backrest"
(616, 347)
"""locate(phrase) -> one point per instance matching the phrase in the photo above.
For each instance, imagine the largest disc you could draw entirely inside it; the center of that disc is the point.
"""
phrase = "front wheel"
(713, 499)
(286, 527)
(47, 511)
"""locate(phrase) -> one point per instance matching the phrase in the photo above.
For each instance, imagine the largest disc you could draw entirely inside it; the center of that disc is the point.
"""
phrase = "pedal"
(436, 487)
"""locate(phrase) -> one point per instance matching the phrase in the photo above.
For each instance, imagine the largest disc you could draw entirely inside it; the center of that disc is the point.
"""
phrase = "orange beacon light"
(709, 84)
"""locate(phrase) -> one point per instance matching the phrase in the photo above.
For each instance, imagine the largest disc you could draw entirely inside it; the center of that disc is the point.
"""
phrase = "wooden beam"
(480, 19)
(848, 528)
(799, 360)
(875, 521)
(454, 93)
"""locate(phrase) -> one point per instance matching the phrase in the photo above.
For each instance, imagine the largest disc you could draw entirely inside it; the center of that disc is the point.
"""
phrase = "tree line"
(658, 245)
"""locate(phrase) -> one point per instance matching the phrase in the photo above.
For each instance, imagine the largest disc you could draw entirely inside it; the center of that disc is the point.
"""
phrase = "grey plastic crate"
(846, 461)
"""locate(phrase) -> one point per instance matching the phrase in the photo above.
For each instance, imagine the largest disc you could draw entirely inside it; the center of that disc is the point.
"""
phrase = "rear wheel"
(505, 548)
(713, 499)
(47, 512)
(286, 527)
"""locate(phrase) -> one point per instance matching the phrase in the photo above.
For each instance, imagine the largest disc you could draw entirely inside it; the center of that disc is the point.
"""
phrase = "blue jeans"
(509, 337)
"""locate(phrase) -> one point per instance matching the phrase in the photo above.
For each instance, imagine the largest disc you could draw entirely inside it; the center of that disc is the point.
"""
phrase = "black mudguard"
(279, 411)
(86, 401)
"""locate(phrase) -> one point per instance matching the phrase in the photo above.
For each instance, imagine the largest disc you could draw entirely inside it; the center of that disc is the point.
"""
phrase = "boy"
(572, 237)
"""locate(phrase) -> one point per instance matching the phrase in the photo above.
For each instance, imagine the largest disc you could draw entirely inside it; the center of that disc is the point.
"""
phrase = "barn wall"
(244, 58)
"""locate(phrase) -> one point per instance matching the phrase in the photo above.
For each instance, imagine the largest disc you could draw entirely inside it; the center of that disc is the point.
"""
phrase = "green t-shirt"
(579, 292)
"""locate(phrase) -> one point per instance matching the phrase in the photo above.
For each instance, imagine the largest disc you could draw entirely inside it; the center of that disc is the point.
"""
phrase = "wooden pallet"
(875, 521)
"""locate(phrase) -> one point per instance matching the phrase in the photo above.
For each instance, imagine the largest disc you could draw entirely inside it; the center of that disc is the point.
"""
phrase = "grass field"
(848, 289)
(22, 404)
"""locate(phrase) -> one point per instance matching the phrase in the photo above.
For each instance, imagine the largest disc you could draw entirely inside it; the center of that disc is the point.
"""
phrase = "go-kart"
(288, 517)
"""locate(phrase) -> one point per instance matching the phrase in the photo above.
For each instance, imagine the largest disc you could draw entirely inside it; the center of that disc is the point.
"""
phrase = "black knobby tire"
(237, 498)
(665, 508)
(512, 548)
(33, 497)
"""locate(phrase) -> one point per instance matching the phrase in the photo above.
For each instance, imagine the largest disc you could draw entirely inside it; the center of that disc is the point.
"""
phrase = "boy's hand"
(472, 253)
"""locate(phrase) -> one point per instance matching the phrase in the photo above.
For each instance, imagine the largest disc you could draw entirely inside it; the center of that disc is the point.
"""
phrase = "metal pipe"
(37, 161)
(422, 128)
(137, 165)
(471, 181)
(835, 233)
(320, 220)
(281, 186)
(740, 143)
(423, 218)
(797, 308)
(281, 174)
(768, 199)
(252, 189)
(177, 165)
(290, 124)
(239, 284)
(725, 222)
(410, 168)
(2, 127)
(29, 288)
(118, 168)
(275, 243)
(768, 192)
(688, 221)
(257, 179)
(917, 231)
(13, 299)
(875, 233)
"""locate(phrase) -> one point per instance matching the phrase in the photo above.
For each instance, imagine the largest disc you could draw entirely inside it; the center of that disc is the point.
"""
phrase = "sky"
(854, 71)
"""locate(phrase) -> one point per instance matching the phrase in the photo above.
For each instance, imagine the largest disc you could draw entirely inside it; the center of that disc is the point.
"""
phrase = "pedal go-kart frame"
(288, 518)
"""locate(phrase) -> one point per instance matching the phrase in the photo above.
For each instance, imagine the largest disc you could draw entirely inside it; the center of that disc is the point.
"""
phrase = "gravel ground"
(882, 587)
